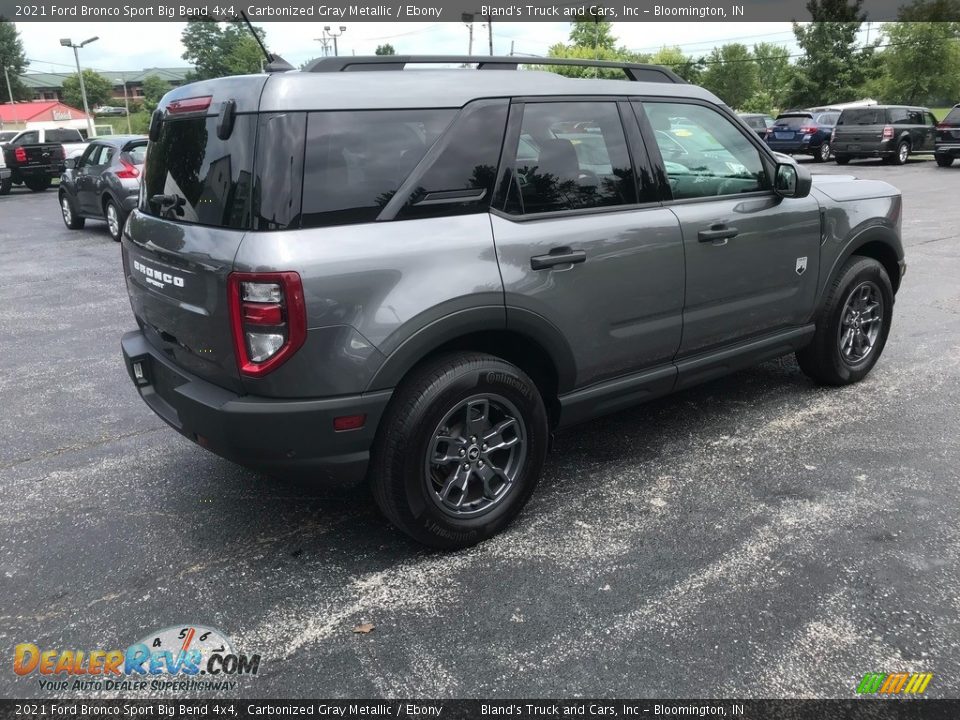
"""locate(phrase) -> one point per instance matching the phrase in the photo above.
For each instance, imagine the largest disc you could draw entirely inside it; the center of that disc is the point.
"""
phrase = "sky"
(136, 46)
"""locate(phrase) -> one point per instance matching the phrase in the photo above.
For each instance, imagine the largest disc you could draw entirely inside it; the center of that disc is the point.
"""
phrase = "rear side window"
(195, 177)
(461, 178)
(861, 116)
(356, 160)
(953, 117)
(898, 116)
(571, 156)
(827, 119)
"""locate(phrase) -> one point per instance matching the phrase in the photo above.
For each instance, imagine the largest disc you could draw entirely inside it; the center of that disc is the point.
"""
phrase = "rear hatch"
(948, 130)
(860, 127)
(195, 207)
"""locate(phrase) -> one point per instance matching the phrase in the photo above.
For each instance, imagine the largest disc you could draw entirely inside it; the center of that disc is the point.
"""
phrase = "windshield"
(193, 176)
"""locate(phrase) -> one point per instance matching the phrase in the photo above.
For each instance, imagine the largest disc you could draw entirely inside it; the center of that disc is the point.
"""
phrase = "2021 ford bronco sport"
(415, 276)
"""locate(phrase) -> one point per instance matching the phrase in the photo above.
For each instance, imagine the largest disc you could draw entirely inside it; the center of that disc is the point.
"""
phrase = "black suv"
(948, 138)
(890, 132)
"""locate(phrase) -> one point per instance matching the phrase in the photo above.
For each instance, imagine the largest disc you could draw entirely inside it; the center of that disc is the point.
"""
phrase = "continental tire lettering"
(510, 380)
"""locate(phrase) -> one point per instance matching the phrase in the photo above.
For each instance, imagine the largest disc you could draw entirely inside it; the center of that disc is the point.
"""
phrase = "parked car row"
(890, 132)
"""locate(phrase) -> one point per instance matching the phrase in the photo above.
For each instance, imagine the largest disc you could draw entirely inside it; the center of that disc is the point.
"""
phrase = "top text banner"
(423, 10)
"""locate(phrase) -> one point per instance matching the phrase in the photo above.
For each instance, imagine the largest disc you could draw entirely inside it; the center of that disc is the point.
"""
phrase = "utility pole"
(490, 32)
(324, 42)
(67, 42)
(467, 19)
(126, 103)
(6, 74)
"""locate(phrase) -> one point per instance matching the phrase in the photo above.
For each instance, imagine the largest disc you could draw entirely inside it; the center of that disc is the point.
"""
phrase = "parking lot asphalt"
(758, 536)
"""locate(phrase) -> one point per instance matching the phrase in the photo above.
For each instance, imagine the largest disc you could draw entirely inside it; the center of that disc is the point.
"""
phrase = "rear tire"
(112, 215)
(902, 154)
(841, 159)
(5, 186)
(69, 212)
(459, 450)
(37, 184)
(944, 160)
(852, 325)
(823, 152)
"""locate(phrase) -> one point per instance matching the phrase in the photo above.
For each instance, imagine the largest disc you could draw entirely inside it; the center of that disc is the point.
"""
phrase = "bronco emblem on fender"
(801, 264)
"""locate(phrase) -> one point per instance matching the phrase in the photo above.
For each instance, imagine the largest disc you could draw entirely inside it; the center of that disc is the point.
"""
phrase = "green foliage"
(774, 73)
(385, 49)
(13, 59)
(154, 88)
(834, 67)
(591, 32)
(930, 11)
(731, 74)
(589, 53)
(219, 49)
(920, 64)
(99, 90)
(689, 68)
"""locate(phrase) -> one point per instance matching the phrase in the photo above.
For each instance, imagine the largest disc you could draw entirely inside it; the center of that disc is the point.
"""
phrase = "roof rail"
(633, 71)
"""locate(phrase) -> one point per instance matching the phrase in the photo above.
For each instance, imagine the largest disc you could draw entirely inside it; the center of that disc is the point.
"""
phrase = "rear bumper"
(887, 148)
(794, 147)
(50, 171)
(294, 437)
(948, 149)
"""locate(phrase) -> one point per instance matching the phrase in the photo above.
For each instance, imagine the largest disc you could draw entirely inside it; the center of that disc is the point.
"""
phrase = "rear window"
(794, 122)
(64, 135)
(193, 176)
(136, 153)
(356, 160)
(861, 116)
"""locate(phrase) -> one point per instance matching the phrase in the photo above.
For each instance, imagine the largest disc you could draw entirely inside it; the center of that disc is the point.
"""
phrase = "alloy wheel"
(825, 151)
(113, 219)
(65, 209)
(860, 322)
(475, 455)
(904, 152)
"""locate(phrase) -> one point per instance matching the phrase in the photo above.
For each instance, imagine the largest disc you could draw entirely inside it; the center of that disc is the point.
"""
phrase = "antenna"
(275, 63)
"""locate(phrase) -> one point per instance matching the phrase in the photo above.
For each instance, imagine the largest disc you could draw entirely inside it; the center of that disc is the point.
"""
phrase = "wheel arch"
(878, 242)
(526, 340)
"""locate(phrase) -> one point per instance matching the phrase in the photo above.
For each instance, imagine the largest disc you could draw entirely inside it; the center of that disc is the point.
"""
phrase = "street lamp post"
(67, 42)
(335, 35)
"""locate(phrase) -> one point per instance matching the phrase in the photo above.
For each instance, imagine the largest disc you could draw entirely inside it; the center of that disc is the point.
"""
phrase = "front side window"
(356, 160)
(571, 156)
(707, 156)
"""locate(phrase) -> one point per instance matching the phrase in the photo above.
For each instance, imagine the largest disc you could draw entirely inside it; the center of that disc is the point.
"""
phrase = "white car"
(71, 139)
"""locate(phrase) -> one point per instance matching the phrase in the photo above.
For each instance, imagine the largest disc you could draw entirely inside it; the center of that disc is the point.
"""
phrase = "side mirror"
(70, 163)
(792, 181)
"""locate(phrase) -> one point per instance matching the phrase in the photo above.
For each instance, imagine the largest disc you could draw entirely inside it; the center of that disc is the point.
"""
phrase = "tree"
(13, 59)
(917, 63)
(774, 73)
(218, 50)
(154, 88)
(385, 49)
(578, 52)
(731, 74)
(592, 32)
(689, 68)
(834, 67)
(99, 90)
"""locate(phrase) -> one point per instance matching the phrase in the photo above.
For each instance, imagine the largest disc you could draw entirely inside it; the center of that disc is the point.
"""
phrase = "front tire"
(459, 450)
(852, 325)
(68, 210)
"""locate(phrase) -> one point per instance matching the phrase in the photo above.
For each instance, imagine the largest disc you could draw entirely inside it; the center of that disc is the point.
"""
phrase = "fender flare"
(491, 318)
(873, 233)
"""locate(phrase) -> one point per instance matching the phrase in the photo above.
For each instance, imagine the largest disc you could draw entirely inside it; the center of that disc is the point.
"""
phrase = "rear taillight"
(20, 154)
(127, 171)
(808, 130)
(268, 319)
(887, 132)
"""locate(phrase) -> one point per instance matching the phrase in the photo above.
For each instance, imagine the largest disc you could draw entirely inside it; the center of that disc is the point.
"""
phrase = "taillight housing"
(127, 171)
(887, 132)
(808, 130)
(268, 319)
(20, 154)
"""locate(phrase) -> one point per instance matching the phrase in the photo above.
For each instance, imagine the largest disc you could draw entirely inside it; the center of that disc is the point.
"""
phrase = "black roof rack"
(633, 71)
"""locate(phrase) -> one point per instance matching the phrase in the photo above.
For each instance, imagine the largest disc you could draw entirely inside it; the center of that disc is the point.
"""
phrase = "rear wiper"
(168, 203)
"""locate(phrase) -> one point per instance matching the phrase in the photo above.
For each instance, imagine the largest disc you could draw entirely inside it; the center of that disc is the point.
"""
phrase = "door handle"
(558, 256)
(717, 233)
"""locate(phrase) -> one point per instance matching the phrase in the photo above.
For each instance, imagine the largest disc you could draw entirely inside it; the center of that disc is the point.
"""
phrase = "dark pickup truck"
(34, 165)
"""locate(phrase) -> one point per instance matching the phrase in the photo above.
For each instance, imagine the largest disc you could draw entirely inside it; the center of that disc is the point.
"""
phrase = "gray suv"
(415, 277)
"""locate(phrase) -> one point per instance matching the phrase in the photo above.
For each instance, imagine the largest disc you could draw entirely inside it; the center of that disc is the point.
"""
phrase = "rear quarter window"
(356, 160)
